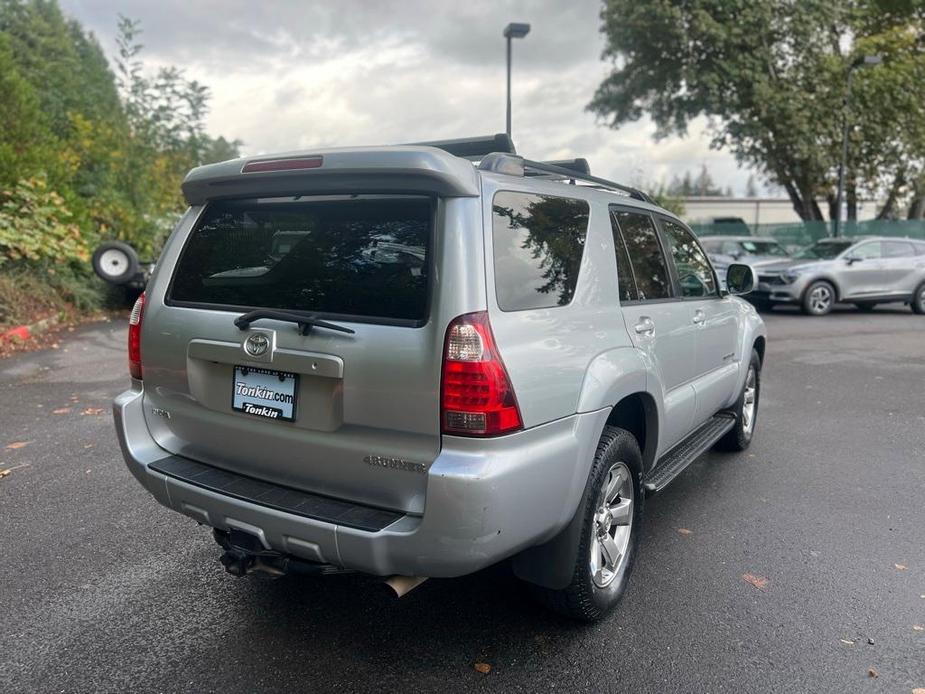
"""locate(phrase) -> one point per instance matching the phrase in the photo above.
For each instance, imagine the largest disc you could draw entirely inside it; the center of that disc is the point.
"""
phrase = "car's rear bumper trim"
(299, 503)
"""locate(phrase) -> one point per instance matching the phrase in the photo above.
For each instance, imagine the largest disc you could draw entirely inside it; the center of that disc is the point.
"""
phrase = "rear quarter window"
(538, 242)
(362, 257)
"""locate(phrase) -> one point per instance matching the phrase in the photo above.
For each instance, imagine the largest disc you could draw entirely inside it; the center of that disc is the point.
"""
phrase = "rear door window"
(538, 242)
(898, 249)
(645, 254)
(366, 257)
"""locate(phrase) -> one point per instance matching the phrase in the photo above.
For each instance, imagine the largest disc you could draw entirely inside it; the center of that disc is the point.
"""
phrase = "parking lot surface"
(798, 566)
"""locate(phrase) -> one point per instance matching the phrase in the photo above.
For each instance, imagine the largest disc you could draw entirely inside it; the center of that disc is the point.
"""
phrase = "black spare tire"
(116, 262)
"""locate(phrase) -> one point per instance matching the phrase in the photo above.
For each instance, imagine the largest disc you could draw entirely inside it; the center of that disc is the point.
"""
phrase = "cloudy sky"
(300, 74)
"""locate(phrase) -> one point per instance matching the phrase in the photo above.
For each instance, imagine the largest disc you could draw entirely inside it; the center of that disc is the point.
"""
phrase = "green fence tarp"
(805, 233)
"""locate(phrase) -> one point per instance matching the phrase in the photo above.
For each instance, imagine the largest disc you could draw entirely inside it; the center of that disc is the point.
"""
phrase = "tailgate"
(352, 416)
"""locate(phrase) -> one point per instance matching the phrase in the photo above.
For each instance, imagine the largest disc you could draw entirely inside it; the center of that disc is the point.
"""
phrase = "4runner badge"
(394, 463)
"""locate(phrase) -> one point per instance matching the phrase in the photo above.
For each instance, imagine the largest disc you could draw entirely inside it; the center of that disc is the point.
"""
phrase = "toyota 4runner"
(421, 360)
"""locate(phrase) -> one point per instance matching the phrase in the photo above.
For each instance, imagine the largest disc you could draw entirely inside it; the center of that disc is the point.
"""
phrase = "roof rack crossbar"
(579, 165)
(571, 174)
(473, 147)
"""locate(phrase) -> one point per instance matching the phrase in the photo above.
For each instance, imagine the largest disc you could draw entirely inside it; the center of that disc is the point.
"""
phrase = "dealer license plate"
(265, 393)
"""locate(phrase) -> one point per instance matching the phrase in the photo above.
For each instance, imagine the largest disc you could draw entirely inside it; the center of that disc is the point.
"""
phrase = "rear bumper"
(487, 499)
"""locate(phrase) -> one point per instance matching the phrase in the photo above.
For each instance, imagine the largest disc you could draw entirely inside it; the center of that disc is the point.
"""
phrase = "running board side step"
(674, 462)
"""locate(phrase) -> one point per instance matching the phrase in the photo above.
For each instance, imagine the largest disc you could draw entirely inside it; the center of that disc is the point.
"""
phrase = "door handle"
(645, 326)
(699, 317)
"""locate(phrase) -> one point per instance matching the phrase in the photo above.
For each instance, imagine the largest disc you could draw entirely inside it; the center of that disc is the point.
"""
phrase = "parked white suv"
(396, 361)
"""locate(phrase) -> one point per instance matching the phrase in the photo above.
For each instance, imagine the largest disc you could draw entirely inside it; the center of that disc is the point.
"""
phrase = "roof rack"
(473, 147)
(580, 165)
(513, 165)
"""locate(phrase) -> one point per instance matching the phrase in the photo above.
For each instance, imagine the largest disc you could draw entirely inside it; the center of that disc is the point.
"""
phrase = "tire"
(866, 307)
(740, 436)
(818, 299)
(116, 262)
(594, 591)
(918, 300)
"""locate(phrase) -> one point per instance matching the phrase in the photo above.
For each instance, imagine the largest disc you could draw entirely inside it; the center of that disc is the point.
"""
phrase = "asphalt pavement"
(102, 590)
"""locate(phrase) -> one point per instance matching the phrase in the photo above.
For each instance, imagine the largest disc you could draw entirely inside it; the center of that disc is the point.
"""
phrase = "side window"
(867, 251)
(695, 275)
(538, 241)
(625, 279)
(731, 248)
(898, 249)
(645, 255)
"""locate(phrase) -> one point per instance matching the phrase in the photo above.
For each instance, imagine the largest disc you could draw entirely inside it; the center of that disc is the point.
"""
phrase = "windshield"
(823, 250)
(763, 248)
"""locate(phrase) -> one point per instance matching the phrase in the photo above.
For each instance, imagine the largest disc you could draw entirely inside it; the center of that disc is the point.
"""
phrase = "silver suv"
(865, 271)
(395, 361)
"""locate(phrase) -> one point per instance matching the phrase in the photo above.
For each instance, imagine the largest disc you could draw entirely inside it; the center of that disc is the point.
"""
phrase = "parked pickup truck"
(421, 360)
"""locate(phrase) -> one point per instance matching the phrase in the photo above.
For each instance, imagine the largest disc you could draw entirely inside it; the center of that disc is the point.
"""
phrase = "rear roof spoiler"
(332, 171)
(473, 147)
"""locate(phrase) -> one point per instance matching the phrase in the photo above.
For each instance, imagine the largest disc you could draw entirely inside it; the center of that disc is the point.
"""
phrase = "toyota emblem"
(257, 344)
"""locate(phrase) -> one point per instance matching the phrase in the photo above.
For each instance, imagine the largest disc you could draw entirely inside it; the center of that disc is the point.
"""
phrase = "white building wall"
(702, 210)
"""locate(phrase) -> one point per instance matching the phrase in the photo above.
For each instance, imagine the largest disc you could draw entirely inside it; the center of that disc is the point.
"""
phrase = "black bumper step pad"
(299, 503)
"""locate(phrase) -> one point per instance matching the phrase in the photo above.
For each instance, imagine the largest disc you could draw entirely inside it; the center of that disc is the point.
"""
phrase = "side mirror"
(852, 259)
(740, 279)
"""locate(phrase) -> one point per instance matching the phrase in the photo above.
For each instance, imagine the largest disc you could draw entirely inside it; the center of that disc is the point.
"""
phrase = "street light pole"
(860, 61)
(514, 30)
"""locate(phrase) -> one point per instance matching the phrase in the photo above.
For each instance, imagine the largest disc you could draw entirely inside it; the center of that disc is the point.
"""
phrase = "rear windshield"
(364, 257)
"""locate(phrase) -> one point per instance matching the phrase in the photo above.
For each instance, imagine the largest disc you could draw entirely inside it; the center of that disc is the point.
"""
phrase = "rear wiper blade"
(305, 321)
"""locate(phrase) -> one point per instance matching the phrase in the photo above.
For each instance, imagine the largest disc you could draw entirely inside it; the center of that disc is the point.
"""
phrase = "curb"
(21, 333)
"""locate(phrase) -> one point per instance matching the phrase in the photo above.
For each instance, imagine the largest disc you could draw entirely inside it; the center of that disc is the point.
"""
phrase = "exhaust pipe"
(402, 585)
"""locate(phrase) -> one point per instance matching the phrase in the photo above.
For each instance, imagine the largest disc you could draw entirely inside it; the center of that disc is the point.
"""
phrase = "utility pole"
(860, 61)
(514, 30)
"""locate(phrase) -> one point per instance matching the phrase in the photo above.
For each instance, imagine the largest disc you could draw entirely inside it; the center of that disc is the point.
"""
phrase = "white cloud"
(298, 75)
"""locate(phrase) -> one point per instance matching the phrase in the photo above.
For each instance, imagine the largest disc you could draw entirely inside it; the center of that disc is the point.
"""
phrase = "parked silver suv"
(395, 361)
(865, 271)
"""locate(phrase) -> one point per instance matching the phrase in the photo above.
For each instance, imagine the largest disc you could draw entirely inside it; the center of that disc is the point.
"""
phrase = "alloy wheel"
(612, 525)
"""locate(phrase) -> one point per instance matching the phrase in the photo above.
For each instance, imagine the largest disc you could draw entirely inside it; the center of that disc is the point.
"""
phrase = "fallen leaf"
(918, 690)
(900, 567)
(847, 642)
(918, 627)
(93, 411)
(17, 444)
(872, 673)
(484, 668)
(61, 410)
(7, 471)
(756, 581)
(684, 531)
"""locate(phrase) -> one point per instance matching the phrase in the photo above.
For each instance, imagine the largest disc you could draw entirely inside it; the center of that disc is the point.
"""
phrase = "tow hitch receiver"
(244, 554)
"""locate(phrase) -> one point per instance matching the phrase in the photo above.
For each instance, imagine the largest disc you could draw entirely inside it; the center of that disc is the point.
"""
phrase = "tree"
(771, 77)
(751, 190)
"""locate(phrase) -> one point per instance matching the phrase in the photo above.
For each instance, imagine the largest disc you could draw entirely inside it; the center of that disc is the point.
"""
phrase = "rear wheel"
(918, 299)
(746, 410)
(818, 298)
(609, 537)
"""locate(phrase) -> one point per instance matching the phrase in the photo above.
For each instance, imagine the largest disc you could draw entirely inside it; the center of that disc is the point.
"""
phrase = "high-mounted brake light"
(289, 164)
(476, 397)
(134, 337)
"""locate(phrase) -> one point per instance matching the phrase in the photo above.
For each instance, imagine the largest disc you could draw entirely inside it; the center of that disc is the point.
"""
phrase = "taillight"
(134, 337)
(476, 398)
